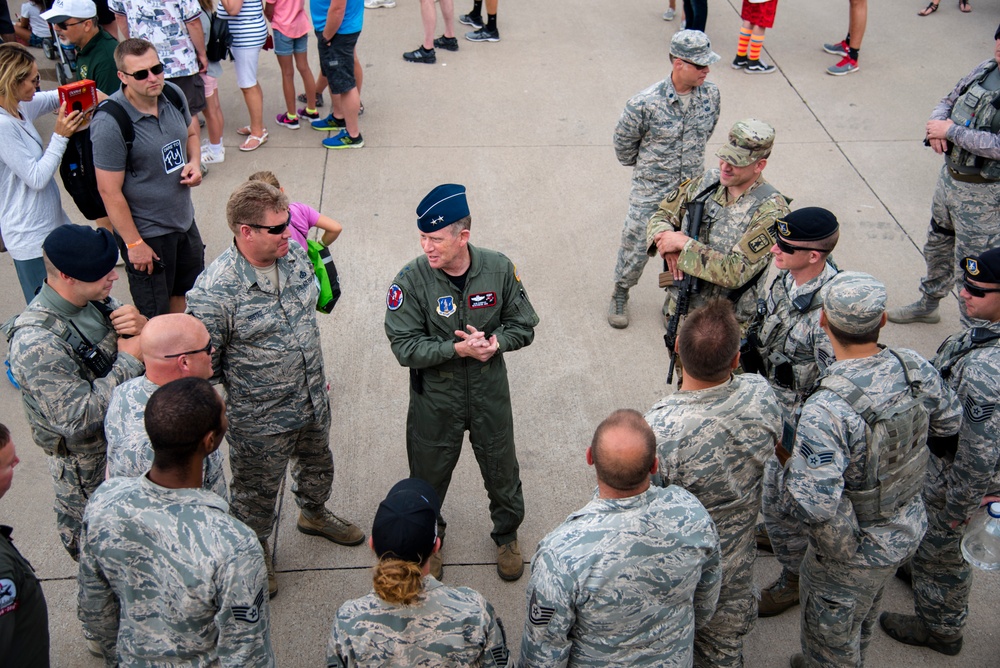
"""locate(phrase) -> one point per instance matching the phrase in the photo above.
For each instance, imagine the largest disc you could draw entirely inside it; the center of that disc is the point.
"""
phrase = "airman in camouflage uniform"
(856, 469)
(965, 211)
(712, 439)
(958, 478)
(65, 396)
(732, 252)
(663, 137)
(167, 575)
(629, 578)
(258, 302)
(411, 619)
(791, 350)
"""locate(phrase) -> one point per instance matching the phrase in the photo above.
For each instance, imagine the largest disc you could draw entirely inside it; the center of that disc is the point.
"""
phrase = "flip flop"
(246, 146)
(930, 9)
(963, 5)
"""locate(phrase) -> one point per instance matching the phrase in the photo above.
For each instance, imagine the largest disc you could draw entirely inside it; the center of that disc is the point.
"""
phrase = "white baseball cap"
(70, 9)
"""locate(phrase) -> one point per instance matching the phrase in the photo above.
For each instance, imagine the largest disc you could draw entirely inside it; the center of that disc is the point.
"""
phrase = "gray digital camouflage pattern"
(841, 586)
(623, 582)
(168, 577)
(664, 141)
(942, 579)
(734, 244)
(65, 401)
(714, 443)
(129, 452)
(269, 359)
(449, 627)
(970, 211)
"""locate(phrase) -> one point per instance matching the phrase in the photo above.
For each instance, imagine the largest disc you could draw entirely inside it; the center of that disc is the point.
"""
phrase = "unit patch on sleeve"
(483, 300)
(8, 596)
(394, 297)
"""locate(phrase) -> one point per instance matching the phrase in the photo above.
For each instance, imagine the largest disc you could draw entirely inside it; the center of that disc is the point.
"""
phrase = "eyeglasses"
(140, 75)
(273, 229)
(207, 350)
(62, 25)
(788, 248)
(700, 68)
(977, 291)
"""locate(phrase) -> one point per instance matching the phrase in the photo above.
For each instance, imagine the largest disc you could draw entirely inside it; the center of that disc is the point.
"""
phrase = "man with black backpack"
(145, 183)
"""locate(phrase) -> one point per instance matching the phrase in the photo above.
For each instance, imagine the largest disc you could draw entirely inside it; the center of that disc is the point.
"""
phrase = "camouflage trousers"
(840, 602)
(971, 213)
(259, 462)
(942, 579)
(788, 537)
(720, 642)
(75, 477)
(632, 257)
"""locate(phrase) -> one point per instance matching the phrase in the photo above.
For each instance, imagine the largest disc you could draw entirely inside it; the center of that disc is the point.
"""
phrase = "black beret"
(442, 207)
(809, 224)
(81, 252)
(983, 269)
(405, 525)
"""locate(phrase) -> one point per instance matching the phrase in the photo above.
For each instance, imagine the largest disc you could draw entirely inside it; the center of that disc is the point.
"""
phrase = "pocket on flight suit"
(829, 619)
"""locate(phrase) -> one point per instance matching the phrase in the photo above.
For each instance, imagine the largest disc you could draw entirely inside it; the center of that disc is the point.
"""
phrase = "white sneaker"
(669, 15)
(208, 156)
(375, 4)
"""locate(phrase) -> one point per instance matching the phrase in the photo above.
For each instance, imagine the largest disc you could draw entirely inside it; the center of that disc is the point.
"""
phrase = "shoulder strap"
(849, 391)
(37, 319)
(121, 117)
(174, 96)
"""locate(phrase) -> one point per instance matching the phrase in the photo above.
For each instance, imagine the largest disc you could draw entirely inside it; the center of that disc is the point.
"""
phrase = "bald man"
(627, 579)
(174, 345)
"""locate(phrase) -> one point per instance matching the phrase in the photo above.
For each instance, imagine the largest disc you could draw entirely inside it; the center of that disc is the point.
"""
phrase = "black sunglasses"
(63, 24)
(977, 291)
(700, 68)
(788, 248)
(140, 75)
(273, 229)
(207, 349)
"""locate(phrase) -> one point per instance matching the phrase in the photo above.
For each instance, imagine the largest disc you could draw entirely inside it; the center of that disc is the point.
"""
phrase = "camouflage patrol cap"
(854, 302)
(984, 268)
(749, 141)
(694, 47)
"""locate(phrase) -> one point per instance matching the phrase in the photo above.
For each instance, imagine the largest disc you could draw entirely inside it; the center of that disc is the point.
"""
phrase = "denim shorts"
(286, 46)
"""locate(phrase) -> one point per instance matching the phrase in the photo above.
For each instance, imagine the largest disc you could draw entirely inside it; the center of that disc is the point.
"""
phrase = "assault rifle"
(688, 285)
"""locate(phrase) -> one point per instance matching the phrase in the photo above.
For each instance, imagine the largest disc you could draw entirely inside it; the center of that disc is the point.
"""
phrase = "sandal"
(963, 5)
(249, 144)
(244, 131)
(928, 10)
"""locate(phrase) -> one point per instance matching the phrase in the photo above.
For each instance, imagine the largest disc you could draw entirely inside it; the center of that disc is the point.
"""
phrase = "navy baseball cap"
(442, 207)
(405, 525)
(82, 252)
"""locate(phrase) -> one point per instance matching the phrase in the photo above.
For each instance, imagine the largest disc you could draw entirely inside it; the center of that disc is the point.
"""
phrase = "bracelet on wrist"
(134, 244)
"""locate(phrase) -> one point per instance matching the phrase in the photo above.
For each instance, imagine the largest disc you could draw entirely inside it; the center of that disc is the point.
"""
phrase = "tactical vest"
(897, 454)
(976, 108)
(48, 439)
(952, 350)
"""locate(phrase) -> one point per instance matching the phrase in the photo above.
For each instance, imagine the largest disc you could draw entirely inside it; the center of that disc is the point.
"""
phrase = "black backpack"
(77, 166)
(220, 40)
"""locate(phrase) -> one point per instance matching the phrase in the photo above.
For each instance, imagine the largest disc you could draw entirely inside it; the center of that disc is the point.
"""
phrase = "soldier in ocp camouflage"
(664, 138)
(129, 451)
(626, 580)
(450, 627)
(965, 210)
(713, 441)
(732, 252)
(65, 399)
(853, 548)
(959, 479)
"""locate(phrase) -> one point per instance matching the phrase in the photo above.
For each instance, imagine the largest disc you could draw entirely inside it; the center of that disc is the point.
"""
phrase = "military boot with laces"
(322, 522)
(923, 310)
(911, 630)
(510, 565)
(780, 596)
(618, 310)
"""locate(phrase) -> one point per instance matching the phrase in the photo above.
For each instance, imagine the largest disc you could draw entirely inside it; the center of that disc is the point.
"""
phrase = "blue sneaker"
(329, 124)
(343, 140)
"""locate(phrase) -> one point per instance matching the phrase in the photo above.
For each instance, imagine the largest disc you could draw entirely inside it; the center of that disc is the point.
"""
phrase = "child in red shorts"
(757, 17)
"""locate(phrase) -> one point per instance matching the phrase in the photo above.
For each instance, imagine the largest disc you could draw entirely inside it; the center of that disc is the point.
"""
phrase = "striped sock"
(755, 46)
(741, 46)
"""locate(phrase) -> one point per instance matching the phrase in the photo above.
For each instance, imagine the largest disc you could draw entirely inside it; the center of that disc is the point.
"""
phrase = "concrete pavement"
(526, 124)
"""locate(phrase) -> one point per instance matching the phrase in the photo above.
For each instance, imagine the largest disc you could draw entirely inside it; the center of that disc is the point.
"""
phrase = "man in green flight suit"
(450, 315)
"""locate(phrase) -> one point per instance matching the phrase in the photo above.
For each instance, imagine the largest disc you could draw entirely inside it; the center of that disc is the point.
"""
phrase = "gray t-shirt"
(158, 202)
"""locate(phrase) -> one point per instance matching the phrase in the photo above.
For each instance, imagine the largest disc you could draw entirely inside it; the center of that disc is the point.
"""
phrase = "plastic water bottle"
(981, 544)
